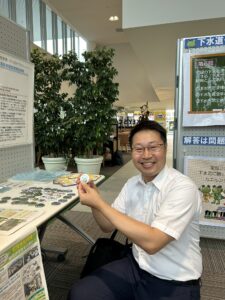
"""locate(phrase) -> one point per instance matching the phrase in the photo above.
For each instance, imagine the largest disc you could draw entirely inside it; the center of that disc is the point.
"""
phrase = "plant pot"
(89, 165)
(54, 163)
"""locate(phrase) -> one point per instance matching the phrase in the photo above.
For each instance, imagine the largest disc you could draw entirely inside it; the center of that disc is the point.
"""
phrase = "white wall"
(154, 12)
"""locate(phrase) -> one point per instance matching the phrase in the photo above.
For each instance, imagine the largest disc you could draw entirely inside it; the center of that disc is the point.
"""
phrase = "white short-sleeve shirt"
(172, 203)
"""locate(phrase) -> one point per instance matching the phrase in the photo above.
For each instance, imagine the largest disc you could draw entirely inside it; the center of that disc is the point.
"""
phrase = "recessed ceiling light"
(113, 18)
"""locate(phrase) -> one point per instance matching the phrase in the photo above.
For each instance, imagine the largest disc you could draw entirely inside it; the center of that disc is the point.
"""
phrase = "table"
(47, 212)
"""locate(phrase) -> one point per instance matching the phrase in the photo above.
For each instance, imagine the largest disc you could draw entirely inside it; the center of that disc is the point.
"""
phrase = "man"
(158, 211)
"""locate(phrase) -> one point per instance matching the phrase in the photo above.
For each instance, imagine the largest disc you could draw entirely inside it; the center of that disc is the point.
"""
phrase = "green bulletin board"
(207, 83)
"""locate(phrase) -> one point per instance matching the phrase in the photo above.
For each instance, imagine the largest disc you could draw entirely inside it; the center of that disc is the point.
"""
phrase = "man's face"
(148, 153)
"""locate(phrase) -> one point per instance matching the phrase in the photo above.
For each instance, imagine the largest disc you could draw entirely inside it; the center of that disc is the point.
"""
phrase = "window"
(77, 45)
(82, 47)
(64, 37)
(69, 39)
(4, 8)
(60, 37)
(21, 13)
(49, 30)
(36, 22)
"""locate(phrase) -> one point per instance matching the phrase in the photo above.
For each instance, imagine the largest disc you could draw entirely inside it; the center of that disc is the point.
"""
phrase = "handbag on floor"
(103, 251)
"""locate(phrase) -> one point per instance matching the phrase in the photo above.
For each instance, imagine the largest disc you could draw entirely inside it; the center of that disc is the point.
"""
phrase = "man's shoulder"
(175, 176)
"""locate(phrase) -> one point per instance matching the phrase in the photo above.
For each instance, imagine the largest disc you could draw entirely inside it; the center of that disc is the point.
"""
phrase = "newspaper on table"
(13, 219)
(21, 270)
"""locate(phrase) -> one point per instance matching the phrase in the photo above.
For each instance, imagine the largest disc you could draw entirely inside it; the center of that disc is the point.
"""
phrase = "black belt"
(176, 282)
(189, 282)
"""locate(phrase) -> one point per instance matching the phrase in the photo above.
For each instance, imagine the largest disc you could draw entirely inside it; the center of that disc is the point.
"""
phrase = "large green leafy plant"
(93, 114)
(50, 106)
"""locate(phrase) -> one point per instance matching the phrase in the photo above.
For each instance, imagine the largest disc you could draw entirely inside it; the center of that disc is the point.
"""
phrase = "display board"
(16, 148)
(207, 83)
(199, 129)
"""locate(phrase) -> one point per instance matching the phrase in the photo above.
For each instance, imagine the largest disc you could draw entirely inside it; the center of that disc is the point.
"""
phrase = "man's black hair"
(148, 125)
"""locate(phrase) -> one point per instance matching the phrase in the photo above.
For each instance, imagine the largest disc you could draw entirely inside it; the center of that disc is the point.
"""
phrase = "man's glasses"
(151, 148)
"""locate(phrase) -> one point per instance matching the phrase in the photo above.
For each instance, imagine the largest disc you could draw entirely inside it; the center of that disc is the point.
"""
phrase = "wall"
(152, 12)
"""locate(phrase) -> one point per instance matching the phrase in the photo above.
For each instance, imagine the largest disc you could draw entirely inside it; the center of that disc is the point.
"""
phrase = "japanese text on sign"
(207, 41)
(208, 83)
(204, 140)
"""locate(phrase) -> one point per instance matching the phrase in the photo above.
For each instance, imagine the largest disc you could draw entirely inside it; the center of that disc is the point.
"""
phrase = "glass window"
(36, 22)
(21, 13)
(60, 38)
(69, 39)
(73, 40)
(49, 30)
(77, 44)
(82, 47)
(4, 8)
(55, 31)
(64, 36)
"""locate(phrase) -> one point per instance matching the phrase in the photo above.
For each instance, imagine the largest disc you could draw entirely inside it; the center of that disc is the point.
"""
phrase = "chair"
(124, 141)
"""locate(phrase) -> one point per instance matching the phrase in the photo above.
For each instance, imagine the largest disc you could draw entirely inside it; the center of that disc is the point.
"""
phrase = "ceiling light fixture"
(113, 18)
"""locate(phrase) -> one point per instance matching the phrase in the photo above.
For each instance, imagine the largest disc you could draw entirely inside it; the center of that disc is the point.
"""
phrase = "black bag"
(104, 250)
(117, 158)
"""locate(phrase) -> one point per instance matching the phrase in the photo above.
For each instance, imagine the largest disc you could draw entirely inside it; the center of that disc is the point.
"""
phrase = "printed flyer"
(16, 101)
(209, 175)
(21, 270)
(13, 219)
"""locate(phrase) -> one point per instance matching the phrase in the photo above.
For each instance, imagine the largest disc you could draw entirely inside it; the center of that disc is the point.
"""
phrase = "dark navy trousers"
(124, 280)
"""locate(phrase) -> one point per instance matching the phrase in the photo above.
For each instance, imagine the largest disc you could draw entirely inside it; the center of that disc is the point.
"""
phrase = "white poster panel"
(16, 101)
(209, 175)
(22, 273)
(203, 89)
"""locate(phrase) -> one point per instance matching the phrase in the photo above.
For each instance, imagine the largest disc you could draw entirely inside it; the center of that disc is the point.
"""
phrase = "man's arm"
(148, 238)
(103, 223)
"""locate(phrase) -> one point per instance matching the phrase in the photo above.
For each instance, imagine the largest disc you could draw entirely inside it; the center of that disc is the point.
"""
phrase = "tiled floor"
(110, 188)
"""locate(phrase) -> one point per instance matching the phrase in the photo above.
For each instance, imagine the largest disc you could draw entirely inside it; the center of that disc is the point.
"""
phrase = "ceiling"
(145, 57)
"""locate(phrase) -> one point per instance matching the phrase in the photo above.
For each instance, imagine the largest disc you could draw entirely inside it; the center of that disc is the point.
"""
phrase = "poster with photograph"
(16, 101)
(209, 175)
(204, 89)
(22, 273)
(12, 219)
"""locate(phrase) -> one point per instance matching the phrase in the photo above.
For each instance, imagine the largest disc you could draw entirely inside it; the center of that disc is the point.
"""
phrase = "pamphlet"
(21, 270)
(13, 219)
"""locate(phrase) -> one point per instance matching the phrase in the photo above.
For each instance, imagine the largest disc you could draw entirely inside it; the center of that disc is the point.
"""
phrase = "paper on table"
(13, 219)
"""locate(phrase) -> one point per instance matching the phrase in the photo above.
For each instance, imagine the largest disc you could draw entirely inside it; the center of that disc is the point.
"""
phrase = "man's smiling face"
(148, 153)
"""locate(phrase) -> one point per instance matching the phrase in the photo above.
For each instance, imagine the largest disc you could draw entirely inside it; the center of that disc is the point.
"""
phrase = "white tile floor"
(112, 186)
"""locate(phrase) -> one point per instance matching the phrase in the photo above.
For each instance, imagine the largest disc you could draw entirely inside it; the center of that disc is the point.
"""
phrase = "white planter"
(54, 163)
(89, 165)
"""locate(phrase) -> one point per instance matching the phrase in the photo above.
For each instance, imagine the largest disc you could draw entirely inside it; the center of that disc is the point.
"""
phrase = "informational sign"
(16, 101)
(204, 42)
(22, 273)
(204, 140)
(160, 117)
(204, 89)
(209, 175)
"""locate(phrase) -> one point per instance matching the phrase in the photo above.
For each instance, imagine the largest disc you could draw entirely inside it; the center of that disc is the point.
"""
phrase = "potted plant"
(93, 114)
(49, 111)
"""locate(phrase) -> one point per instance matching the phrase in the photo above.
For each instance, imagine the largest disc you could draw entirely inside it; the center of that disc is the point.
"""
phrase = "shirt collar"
(158, 181)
